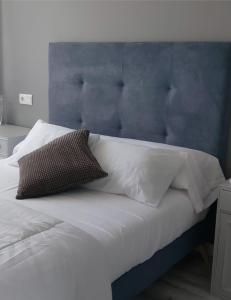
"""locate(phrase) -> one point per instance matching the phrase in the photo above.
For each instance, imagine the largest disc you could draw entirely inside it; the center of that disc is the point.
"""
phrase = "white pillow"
(141, 173)
(41, 134)
(200, 174)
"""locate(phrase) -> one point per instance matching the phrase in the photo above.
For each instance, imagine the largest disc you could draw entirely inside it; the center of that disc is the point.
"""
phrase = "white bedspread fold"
(42, 257)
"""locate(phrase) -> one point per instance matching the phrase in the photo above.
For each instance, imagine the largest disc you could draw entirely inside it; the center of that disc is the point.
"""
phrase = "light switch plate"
(25, 99)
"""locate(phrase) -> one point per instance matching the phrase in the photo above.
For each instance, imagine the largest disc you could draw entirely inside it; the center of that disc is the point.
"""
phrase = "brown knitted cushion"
(59, 165)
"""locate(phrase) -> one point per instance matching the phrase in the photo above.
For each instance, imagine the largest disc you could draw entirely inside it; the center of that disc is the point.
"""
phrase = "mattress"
(129, 231)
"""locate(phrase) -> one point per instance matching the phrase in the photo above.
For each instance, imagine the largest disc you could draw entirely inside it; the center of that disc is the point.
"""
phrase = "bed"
(170, 93)
(176, 93)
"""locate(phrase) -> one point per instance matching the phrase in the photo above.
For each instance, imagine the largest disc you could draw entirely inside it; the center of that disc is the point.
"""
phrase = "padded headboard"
(174, 93)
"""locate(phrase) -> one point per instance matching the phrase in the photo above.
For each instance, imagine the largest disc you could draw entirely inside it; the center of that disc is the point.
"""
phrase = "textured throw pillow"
(64, 163)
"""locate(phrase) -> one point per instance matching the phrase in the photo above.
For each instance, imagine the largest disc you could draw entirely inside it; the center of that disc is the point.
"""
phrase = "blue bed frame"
(174, 93)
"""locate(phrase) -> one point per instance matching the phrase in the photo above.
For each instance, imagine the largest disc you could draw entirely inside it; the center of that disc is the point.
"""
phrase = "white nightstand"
(221, 277)
(10, 136)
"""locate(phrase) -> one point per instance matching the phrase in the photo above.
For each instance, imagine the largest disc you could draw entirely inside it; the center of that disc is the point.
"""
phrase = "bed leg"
(206, 253)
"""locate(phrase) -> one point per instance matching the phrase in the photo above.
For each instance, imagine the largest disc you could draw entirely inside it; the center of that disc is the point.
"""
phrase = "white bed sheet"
(130, 232)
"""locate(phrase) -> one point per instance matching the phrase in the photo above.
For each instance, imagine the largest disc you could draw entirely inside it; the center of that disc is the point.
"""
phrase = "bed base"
(140, 277)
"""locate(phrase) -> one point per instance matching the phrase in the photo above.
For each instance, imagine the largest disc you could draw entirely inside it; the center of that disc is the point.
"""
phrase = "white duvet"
(72, 246)
(44, 258)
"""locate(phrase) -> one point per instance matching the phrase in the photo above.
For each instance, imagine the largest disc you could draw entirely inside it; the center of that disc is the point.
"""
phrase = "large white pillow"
(141, 173)
(200, 175)
(41, 134)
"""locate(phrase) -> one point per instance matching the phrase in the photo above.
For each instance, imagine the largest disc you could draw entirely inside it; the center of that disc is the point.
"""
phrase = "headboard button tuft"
(165, 133)
(120, 83)
(81, 81)
(119, 127)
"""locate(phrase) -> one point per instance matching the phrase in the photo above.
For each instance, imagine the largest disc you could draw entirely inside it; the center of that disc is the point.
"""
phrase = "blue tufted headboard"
(175, 93)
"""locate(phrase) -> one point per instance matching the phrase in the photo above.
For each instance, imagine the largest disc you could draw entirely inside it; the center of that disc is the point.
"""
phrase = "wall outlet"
(25, 99)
